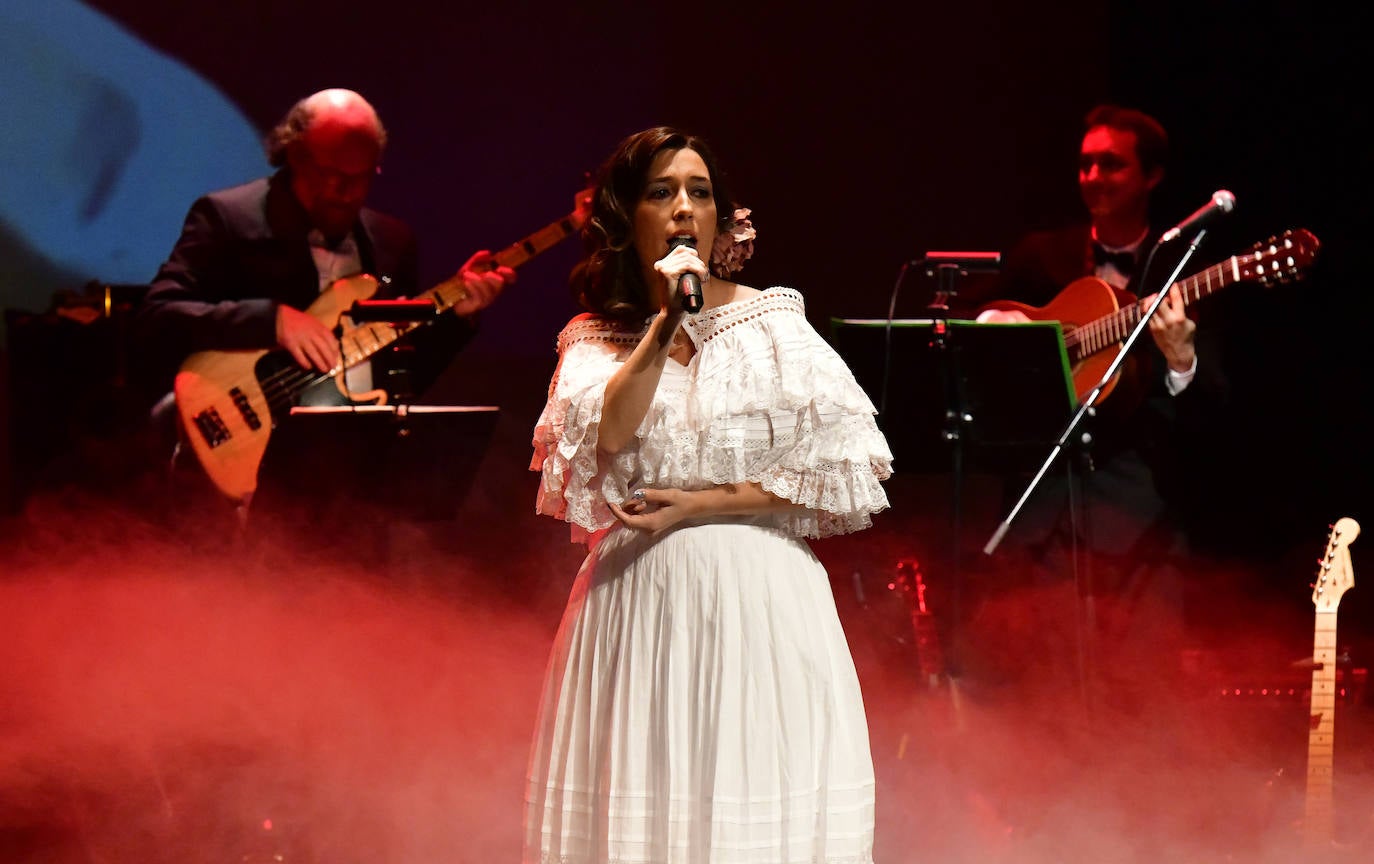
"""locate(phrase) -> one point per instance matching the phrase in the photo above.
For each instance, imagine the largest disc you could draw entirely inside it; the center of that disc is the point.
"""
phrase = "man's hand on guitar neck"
(1173, 331)
(483, 281)
(308, 340)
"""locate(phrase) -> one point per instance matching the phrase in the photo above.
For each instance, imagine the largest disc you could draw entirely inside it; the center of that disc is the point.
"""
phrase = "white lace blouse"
(764, 399)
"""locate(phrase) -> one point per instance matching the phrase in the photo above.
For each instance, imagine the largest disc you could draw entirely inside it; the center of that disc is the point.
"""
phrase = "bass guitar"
(228, 402)
(1095, 320)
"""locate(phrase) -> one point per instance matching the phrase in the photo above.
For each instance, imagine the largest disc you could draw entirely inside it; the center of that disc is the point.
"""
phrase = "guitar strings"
(1115, 326)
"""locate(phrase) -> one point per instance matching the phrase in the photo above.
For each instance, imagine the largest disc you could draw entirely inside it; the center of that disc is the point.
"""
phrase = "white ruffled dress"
(701, 704)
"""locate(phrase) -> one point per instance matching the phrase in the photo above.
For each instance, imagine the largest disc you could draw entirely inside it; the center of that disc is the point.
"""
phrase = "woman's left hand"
(654, 510)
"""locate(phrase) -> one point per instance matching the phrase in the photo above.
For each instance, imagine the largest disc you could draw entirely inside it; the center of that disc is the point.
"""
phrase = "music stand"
(1012, 394)
(340, 474)
(955, 394)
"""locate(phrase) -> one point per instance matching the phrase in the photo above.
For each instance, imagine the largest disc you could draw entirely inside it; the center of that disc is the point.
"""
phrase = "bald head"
(332, 142)
(344, 110)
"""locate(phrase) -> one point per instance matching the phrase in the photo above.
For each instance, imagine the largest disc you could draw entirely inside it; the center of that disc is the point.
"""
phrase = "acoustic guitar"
(228, 402)
(1095, 321)
(1334, 577)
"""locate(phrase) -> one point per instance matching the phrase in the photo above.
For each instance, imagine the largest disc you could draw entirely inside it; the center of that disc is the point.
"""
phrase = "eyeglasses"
(330, 175)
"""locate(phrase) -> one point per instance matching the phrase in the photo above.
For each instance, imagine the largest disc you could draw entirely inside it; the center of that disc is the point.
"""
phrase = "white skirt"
(700, 707)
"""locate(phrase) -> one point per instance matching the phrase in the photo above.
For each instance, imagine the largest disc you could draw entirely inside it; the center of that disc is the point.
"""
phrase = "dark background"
(862, 136)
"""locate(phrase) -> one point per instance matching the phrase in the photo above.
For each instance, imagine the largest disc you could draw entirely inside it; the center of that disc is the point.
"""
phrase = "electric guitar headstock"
(1335, 576)
(1280, 258)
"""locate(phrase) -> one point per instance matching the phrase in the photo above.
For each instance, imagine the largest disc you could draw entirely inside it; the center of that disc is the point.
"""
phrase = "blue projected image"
(105, 142)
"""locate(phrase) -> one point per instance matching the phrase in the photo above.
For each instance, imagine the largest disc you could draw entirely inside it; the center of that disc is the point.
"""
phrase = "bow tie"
(1124, 262)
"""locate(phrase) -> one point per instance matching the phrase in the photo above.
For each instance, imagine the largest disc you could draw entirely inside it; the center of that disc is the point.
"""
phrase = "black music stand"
(1012, 389)
(337, 476)
(956, 395)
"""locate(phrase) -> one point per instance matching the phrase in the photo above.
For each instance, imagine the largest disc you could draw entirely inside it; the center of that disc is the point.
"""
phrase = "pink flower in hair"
(734, 246)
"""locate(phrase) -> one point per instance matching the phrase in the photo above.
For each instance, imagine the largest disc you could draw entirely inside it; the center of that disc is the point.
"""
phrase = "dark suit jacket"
(1043, 263)
(245, 250)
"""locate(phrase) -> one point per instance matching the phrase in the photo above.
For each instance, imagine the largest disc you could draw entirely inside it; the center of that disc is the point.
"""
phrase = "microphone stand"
(1087, 407)
(956, 416)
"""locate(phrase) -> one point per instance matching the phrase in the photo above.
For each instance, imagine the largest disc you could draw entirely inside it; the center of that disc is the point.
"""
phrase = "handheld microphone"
(688, 284)
(1222, 202)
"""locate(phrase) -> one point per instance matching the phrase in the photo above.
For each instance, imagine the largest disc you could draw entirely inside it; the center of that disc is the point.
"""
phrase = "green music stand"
(979, 396)
(956, 396)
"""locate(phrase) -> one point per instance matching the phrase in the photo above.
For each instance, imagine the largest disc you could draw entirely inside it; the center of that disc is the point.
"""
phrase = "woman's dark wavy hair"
(609, 279)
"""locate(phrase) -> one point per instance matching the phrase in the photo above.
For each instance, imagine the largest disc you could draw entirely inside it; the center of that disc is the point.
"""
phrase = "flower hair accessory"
(734, 246)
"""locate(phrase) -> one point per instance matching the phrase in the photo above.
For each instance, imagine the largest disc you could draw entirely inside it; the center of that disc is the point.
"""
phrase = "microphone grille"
(1224, 200)
(691, 242)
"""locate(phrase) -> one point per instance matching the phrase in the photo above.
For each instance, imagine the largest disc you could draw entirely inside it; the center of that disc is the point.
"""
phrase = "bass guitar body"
(229, 401)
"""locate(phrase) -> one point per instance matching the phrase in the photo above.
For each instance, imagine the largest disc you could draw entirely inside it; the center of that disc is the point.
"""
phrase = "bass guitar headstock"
(582, 208)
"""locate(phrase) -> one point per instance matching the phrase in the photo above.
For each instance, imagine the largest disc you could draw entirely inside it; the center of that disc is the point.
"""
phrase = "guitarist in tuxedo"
(252, 258)
(1132, 501)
